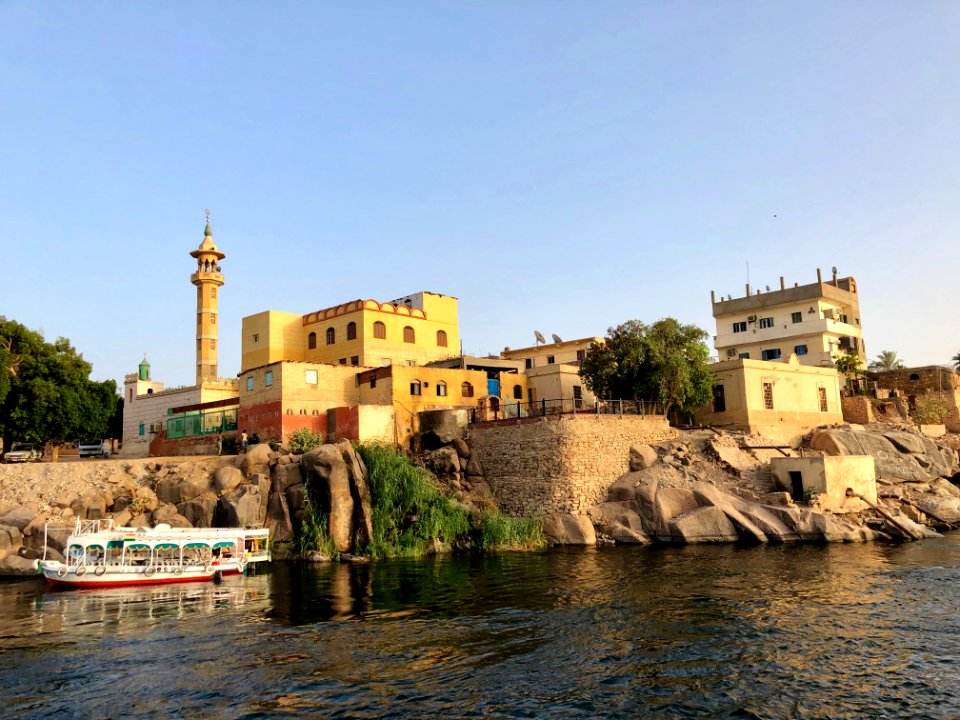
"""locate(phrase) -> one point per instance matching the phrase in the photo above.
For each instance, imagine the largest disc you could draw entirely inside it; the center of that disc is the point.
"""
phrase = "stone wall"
(560, 464)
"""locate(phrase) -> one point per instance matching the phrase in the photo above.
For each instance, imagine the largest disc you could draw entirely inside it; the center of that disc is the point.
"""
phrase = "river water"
(838, 631)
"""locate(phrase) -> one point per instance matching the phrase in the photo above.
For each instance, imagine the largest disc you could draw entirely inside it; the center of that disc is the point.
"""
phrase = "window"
(800, 349)
(441, 389)
(130, 395)
(441, 338)
(213, 291)
(518, 392)
(354, 359)
(528, 363)
(256, 337)
(343, 361)
(772, 354)
(914, 376)
(331, 336)
(311, 341)
(408, 335)
(822, 395)
(141, 428)
(199, 344)
(415, 387)
(373, 381)
(768, 396)
(310, 377)
(743, 356)
(351, 331)
(549, 359)
(466, 390)
(213, 343)
(213, 318)
(739, 327)
(250, 384)
(766, 322)
(268, 378)
(719, 402)
(796, 317)
(379, 330)
(581, 355)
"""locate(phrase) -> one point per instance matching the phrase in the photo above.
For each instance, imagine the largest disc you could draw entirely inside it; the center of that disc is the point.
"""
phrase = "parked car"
(94, 448)
(23, 452)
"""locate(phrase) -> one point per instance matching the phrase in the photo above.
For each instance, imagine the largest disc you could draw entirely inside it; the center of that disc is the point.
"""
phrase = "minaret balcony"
(204, 276)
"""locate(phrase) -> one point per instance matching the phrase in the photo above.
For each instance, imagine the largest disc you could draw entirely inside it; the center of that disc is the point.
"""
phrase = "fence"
(564, 406)
(201, 423)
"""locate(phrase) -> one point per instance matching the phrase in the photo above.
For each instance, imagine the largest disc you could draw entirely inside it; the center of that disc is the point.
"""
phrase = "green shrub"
(929, 410)
(408, 510)
(313, 532)
(303, 440)
(506, 532)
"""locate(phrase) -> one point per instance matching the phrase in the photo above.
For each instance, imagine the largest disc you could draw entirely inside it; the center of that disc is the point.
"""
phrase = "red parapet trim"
(355, 306)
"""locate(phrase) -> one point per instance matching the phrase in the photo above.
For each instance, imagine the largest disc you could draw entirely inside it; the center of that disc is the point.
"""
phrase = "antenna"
(556, 338)
(539, 337)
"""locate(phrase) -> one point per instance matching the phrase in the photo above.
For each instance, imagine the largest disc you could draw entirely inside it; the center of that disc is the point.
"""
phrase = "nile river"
(839, 631)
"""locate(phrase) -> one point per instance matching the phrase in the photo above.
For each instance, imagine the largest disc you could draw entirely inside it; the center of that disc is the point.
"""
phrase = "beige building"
(778, 400)
(553, 369)
(828, 478)
(815, 322)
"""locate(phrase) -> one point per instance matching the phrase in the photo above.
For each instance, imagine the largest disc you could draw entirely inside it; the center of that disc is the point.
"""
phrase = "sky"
(557, 166)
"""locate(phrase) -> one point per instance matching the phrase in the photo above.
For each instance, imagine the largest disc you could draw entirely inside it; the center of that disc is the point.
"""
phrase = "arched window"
(441, 338)
(914, 376)
(311, 341)
(331, 336)
(466, 390)
(517, 392)
(408, 335)
(415, 387)
(351, 331)
(441, 389)
(379, 330)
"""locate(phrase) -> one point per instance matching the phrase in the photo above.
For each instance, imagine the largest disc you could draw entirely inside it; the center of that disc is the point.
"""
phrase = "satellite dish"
(556, 338)
(729, 297)
(539, 336)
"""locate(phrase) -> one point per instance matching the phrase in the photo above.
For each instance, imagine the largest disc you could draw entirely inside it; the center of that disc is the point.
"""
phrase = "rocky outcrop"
(569, 529)
(900, 456)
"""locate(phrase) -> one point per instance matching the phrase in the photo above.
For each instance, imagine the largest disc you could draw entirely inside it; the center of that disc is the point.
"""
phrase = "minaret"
(207, 278)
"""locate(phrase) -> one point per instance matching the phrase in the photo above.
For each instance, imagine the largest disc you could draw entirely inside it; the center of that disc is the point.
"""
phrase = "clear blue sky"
(559, 166)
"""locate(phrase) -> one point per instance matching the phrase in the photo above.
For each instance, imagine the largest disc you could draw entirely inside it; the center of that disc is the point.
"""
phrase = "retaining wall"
(563, 463)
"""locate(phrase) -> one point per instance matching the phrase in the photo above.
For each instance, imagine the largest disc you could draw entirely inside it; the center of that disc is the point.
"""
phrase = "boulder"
(905, 442)
(703, 525)
(667, 504)
(279, 520)
(15, 566)
(642, 457)
(296, 502)
(198, 511)
(285, 474)
(620, 521)
(21, 516)
(255, 460)
(240, 508)
(442, 461)
(140, 521)
(329, 479)
(708, 495)
(624, 535)
(177, 521)
(461, 446)
(569, 529)
(892, 453)
(6, 541)
(122, 518)
(168, 490)
(942, 507)
(163, 512)
(360, 490)
(195, 485)
(625, 487)
(90, 506)
(226, 479)
(144, 501)
(474, 466)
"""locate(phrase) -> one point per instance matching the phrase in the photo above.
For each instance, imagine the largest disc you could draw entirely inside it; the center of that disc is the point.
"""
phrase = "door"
(796, 485)
(493, 386)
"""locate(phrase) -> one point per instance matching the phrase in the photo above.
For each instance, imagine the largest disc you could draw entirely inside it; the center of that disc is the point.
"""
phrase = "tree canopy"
(849, 363)
(666, 361)
(886, 360)
(956, 361)
(46, 393)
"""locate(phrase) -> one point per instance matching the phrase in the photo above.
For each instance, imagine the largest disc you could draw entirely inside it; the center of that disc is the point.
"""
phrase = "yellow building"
(552, 370)
(778, 400)
(412, 330)
(816, 322)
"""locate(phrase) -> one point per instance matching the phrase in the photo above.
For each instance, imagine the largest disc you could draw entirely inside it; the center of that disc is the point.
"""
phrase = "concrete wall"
(553, 382)
(565, 463)
(830, 476)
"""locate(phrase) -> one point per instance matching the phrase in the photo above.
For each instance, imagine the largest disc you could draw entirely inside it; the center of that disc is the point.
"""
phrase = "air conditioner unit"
(731, 352)
(156, 427)
(830, 313)
(752, 318)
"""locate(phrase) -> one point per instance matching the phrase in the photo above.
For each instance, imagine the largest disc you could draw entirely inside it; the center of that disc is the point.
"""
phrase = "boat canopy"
(194, 545)
(223, 545)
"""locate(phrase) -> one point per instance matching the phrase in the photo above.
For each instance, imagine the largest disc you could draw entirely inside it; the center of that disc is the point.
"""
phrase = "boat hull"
(120, 577)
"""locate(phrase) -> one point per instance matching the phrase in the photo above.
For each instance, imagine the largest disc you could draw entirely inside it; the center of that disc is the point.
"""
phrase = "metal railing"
(202, 423)
(564, 406)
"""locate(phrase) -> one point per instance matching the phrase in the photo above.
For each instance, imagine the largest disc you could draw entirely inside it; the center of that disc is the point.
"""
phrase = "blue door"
(493, 387)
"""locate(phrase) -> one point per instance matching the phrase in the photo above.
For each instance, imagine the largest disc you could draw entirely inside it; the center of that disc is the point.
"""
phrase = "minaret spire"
(208, 279)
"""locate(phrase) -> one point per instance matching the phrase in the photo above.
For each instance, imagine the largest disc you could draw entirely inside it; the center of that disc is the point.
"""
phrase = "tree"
(887, 360)
(666, 361)
(956, 361)
(849, 363)
(46, 394)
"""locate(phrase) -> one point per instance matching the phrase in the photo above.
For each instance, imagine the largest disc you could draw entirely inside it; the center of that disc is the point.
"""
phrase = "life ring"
(209, 568)
(101, 569)
(61, 572)
(149, 570)
(178, 570)
(81, 570)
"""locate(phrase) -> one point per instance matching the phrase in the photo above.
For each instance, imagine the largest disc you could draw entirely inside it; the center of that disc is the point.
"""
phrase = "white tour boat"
(101, 555)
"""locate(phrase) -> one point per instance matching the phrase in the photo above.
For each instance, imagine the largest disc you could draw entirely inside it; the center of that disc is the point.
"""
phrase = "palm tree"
(888, 360)
(956, 361)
